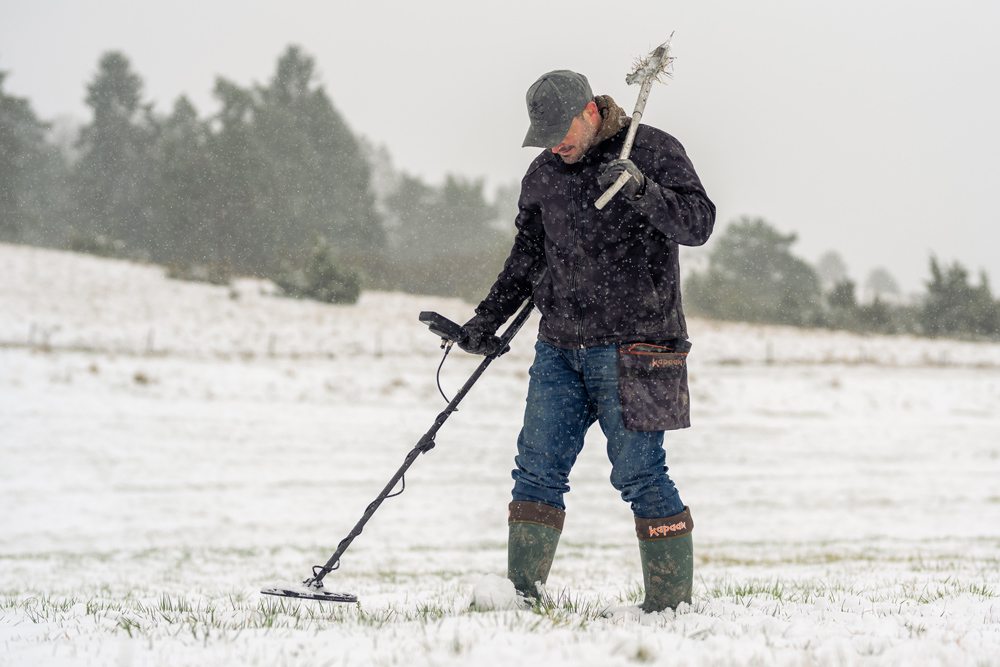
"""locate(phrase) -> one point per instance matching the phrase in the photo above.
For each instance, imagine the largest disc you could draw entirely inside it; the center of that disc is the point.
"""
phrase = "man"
(612, 340)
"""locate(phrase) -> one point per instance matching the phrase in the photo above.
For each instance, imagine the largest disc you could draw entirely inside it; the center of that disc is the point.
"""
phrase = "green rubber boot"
(667, 555)
(533, 534)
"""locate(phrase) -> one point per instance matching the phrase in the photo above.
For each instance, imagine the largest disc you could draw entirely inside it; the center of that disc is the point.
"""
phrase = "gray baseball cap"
(553, 102)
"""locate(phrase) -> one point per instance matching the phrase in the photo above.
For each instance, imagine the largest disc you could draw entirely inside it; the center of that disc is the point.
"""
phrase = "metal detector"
(451, 333)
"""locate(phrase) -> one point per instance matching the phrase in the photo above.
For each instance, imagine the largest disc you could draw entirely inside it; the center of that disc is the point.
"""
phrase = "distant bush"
(93, 243)
(319, 277)
(881, 317)
(878, 316)
(954, 307)
(216, 273)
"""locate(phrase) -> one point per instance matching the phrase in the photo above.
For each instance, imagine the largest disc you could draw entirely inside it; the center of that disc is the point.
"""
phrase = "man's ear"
(592, 114)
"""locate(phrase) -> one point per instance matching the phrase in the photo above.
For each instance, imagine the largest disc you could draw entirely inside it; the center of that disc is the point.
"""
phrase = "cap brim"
(546, 136)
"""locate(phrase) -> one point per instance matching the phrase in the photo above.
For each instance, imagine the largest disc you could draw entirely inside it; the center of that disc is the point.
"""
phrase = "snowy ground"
(166, 448)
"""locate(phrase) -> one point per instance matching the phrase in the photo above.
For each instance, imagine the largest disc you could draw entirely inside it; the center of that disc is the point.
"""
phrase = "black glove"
(480, 336)
(610, 171)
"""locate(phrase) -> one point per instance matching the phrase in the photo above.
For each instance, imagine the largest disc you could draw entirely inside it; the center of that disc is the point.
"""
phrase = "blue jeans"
(568, 391)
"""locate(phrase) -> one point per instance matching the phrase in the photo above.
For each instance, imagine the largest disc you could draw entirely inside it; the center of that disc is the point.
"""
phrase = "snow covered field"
(167, 448)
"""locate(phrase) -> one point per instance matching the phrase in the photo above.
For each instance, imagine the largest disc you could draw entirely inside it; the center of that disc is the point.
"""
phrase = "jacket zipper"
(577, 234)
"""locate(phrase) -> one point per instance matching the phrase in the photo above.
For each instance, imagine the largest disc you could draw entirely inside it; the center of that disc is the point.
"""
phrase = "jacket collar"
(614, 118)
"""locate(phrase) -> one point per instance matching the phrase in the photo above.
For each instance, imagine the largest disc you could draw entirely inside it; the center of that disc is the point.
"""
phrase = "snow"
(495, 592)
(169, 448)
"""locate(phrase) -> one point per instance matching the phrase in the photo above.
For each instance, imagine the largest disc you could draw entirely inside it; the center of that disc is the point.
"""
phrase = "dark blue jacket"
(613, 275)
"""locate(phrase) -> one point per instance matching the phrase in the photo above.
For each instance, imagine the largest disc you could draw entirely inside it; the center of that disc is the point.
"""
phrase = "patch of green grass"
(949, 587)
(765, 555)
(633, 594)
(139, 612)
(807, 590)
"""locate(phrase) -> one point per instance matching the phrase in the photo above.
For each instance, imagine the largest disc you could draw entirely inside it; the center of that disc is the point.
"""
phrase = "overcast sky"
(867, 127)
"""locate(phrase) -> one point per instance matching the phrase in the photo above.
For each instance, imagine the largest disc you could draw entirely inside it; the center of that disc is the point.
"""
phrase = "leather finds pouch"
(653, 386)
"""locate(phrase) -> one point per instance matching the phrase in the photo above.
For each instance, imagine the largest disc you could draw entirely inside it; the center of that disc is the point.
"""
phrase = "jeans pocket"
(653, 386)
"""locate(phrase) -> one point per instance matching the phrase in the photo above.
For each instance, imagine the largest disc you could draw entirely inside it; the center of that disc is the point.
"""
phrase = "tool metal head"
(654, 66)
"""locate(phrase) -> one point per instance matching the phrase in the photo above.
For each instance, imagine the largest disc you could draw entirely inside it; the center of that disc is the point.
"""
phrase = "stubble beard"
(573, 157)
(582, 148)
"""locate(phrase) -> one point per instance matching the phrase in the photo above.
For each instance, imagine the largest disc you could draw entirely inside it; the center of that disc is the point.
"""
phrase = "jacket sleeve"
(674, 200)
(523, 266)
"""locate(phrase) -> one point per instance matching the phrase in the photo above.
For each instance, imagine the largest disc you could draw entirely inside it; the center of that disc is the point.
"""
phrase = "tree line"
(274, 184)
(753, 276)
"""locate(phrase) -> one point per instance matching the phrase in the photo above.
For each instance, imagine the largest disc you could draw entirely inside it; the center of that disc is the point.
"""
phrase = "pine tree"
(325, 182)
(753, 277)
(285, 171)
(181, 194)
(22, 154)
(954, 307)
(115, 153)
(244, 225)
(831, 268)
(881, 284)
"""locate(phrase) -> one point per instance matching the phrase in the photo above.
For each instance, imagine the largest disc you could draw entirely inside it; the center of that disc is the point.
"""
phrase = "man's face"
(577, 141)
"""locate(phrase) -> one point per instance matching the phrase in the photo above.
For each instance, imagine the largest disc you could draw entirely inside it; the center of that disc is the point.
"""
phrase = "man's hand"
(610, 171)
(480, 336)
